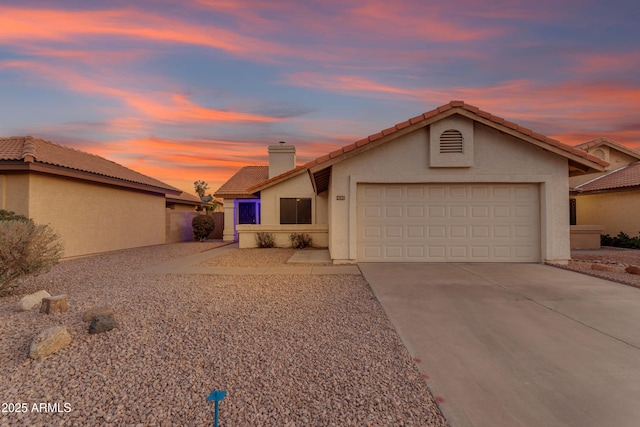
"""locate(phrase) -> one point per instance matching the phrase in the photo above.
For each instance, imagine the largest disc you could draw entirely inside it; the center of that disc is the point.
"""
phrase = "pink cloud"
(151, 105)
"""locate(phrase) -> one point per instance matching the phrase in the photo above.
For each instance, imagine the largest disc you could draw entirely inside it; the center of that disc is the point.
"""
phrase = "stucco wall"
(14, 193)
(94, 218)
(615, 212)
(498, 158)
(299, 187)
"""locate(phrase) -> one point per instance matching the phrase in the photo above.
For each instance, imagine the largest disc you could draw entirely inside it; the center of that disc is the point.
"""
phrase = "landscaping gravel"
(290, 350)
(258, 258)
(615, 259)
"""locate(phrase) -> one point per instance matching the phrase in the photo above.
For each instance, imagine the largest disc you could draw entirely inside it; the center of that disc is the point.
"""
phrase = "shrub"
(25, 248)
(265, 240)
(202, 225)
(622, 240)
(299, 241)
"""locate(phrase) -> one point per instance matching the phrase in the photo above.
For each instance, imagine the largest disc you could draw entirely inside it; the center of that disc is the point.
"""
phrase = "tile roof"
(185, 197)
(458, 106)
(240, 183)
(245, 178)
(29, 150)
(623, 178)
(606, 141)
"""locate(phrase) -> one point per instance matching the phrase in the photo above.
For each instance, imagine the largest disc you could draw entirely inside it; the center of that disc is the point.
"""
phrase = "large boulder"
(29, 301)
(102, 323)
(49, 341)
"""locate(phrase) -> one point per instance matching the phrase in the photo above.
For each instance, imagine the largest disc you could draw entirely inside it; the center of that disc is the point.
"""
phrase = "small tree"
(201, 188)
(26, 248)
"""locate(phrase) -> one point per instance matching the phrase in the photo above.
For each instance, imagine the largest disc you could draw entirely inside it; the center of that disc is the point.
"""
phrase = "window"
(572, 212)
(295, 211)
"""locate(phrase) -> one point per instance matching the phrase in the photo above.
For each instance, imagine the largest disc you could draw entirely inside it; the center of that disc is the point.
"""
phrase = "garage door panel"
(448, 222)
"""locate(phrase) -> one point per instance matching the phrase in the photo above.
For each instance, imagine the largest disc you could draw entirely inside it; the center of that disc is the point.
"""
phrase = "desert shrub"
(26, 248)
(12, 216)
(202, 226)
(622, 240)
(299, 240)
(265, 240)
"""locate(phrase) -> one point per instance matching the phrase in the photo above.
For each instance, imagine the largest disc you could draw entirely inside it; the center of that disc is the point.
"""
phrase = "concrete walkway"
(188, 265)
(518, 344)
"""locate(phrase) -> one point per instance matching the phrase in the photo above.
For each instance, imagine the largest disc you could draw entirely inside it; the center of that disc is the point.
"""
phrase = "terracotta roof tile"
(244, 179)
(389, 131)
(336, 153)
(605, 141)
(49, 153)
(475, 110)
(349, 147)
(362, 142)
(628, 176)
(417, 119)
(403, 125)
(484, 114)
(375, 136)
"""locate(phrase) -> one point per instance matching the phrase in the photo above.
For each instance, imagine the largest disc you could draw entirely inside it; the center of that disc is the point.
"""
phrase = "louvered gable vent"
(451, 141)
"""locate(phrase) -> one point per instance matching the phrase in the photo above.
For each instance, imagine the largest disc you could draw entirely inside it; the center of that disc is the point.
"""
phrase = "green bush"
(299, 241)
(265, 240)
(26, 248)
(622, 240)
(202, 226)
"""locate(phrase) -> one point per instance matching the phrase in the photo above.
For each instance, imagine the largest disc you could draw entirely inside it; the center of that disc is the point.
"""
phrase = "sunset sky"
(183, 90)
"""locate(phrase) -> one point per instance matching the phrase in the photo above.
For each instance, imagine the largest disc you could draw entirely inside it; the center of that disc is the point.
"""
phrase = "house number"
(340, 198)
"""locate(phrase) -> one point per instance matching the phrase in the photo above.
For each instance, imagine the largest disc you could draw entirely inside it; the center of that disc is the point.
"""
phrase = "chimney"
(282, 158)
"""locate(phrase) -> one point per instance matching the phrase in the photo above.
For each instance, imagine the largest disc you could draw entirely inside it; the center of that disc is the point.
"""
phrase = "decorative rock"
(632, 269)
(96, 311)
(601, 267)
(57, 304)
(102, 323)
(49, 341)
(29, 301)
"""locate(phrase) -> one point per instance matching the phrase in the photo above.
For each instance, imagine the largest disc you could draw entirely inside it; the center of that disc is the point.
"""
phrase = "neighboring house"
(94, 204)
(454, 184)
(609, 199)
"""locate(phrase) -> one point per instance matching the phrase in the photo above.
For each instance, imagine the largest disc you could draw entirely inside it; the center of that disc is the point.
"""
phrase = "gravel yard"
(614, 259)
(271, 257)
(291, 350)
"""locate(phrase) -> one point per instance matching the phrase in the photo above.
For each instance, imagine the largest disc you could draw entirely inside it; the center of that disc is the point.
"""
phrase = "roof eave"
(44, 168)
(277, 179)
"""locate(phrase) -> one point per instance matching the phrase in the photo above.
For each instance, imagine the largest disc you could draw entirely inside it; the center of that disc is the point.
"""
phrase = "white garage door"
(448, 222)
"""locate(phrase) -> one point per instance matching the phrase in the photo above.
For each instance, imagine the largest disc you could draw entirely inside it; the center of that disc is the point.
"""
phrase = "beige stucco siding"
(15, 193)
(610, 210)
(296, 187)
(497, 158)
(94, 218)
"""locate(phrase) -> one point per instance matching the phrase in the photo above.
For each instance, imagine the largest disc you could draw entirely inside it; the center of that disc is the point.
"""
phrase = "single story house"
(455, 184)
(93, 204)
(610, 199)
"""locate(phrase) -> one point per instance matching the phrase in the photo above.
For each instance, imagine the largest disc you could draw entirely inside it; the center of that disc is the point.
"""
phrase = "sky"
(186, 90)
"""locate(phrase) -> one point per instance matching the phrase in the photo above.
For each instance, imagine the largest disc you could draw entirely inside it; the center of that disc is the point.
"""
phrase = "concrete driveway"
(518, 344)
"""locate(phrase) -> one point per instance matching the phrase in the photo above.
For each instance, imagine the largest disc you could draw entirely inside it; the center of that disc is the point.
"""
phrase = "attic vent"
(451, 141)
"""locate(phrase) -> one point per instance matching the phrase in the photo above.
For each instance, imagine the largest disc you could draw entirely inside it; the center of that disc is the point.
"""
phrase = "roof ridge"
(449, 106)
